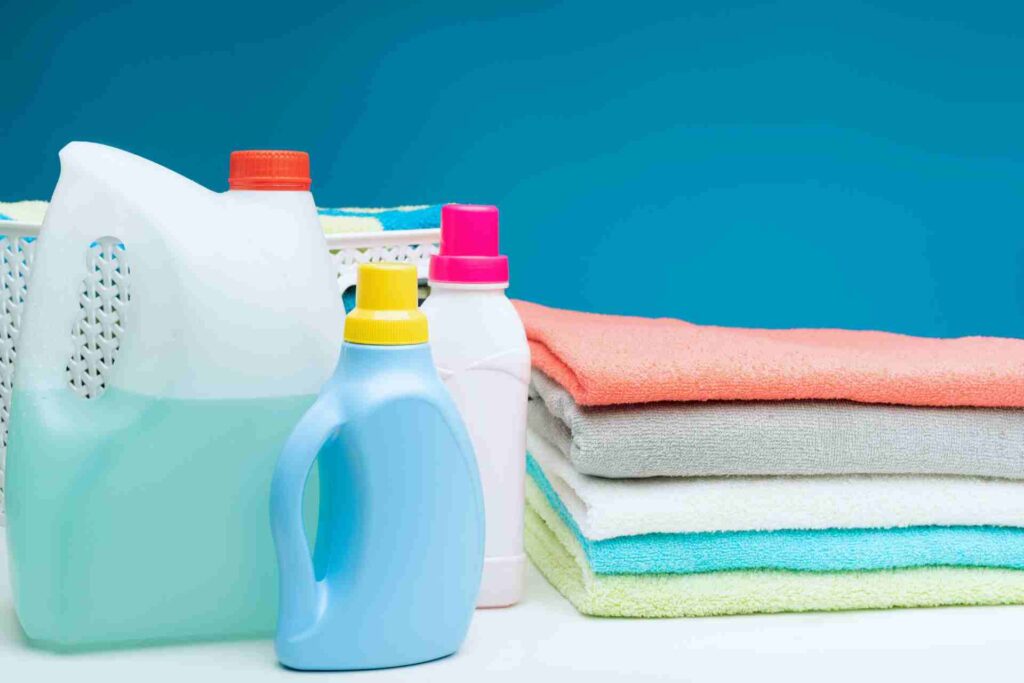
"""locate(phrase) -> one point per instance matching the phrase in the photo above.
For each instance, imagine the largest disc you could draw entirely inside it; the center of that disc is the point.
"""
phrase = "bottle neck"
(467, 288)
(282, 196)
(356, 359)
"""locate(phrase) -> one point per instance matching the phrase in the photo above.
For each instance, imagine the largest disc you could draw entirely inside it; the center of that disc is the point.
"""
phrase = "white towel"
(606, 508)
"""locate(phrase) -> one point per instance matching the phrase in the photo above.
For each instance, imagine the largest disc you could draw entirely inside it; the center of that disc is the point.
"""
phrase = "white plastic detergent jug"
(480, 349)
(173, 338)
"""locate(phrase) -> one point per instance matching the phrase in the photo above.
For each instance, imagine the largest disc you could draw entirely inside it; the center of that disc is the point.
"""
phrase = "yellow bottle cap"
(386, 309)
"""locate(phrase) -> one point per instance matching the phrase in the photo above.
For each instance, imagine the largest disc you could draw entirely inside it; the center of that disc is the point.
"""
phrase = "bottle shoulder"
(492, 302)
(467, 330)
(358, 390)
(387, 409)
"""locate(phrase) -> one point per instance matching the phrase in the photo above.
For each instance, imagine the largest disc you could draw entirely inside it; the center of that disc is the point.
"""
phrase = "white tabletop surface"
(545, 639)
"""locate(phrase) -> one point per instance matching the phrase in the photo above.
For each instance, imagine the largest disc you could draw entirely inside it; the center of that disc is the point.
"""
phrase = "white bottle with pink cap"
(481, 353)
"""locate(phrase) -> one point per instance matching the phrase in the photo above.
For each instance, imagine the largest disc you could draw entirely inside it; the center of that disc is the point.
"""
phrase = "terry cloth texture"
(423, 217)
(606, 508)
(610, 360)
(815, 550)
(558, 556)
(699, 439)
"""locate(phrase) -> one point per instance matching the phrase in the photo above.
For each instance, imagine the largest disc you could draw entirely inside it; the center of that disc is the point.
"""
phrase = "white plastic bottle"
(203, 325)
(481, 353)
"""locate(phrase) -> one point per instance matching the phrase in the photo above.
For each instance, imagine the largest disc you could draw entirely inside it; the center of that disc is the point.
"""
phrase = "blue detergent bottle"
(399, 551)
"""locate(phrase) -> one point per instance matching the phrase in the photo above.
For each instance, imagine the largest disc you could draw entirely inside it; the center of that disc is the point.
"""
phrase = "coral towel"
(610, 359)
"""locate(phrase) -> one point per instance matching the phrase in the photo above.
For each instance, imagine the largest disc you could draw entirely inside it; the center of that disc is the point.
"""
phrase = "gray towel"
(777, 437)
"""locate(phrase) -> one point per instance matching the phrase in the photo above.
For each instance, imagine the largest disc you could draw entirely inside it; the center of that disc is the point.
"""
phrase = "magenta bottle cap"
(469, 246)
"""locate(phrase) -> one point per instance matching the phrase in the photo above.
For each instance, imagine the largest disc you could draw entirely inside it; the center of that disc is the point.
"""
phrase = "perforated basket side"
(400, 246)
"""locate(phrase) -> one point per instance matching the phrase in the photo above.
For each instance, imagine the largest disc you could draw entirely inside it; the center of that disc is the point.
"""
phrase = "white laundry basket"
(16, 251)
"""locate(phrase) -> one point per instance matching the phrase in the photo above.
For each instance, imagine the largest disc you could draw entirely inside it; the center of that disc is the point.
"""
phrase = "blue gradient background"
(856, 164)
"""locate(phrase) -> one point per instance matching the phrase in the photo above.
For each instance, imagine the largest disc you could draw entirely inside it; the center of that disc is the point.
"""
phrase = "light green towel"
(559, 557)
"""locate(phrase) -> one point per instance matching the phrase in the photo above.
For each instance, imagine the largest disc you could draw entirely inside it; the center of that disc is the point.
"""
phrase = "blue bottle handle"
(301, 594)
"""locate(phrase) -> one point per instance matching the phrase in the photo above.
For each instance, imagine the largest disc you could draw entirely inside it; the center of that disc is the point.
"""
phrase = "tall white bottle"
(481, 353)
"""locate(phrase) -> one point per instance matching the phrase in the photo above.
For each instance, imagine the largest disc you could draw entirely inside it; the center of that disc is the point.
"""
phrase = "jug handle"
(301, 595)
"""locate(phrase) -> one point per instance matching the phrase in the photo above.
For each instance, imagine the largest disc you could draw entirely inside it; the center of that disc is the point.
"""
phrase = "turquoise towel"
(816, 550)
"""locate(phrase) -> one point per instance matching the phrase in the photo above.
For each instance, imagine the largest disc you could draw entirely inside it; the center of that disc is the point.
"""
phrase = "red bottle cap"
(269, 169)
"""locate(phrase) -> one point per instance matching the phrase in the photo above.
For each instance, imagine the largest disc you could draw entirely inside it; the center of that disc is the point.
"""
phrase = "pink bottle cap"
(469, 246)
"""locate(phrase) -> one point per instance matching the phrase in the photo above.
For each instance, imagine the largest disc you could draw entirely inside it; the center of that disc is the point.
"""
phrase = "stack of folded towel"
(686, 470)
